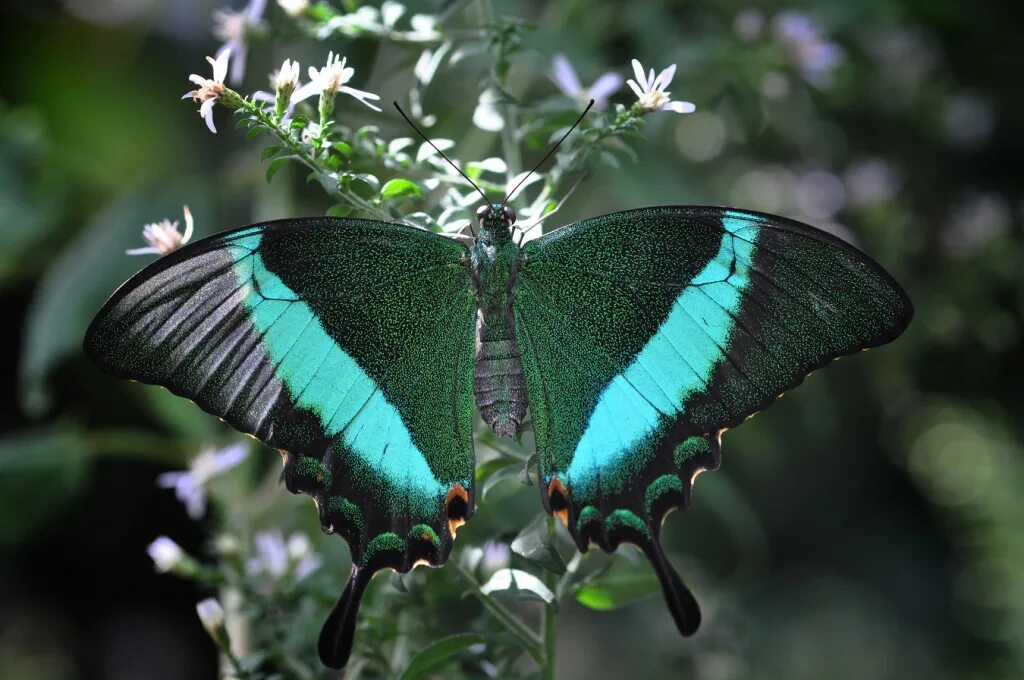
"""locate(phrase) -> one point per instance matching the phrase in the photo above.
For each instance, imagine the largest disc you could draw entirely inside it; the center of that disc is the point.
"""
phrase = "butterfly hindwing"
(646, 333)
(348, 344)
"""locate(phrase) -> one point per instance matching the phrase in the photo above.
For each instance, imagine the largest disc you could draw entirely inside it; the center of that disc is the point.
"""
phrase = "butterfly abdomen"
(498, 381)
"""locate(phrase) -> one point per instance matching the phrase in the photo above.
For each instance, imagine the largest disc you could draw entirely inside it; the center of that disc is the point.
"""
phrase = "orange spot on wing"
(455, 505)
(558, 497)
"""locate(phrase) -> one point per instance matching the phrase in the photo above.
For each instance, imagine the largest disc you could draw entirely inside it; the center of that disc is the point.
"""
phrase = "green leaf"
(254, 132)
(84, 275)
(529, 469)
(486, 470)
(180, 416)
(518, 585)
(275, 166)
(502, 475)
(40, 473)
(436, 654)
(617, 588)
(339, 210)
(270, 152)
(400, 188)
(535, 544)
(343, 148)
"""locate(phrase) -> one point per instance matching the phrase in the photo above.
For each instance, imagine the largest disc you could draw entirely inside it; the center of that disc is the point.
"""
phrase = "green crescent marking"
(691, 447)
(658, 488)
(621, 518)
(677, 361)
(386, 542)
(588, 515)
(323, 378)
(424, 532)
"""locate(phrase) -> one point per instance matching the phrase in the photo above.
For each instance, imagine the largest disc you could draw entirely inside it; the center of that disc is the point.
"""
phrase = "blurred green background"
(870, 524)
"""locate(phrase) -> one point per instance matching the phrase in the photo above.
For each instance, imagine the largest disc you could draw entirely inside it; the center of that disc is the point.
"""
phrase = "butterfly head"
(496, 218)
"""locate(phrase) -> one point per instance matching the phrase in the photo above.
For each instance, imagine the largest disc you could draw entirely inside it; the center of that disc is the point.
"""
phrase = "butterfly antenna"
(449, 160)
(553, 149)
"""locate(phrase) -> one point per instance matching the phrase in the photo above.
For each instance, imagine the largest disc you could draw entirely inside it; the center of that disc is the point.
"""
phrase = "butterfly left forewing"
(646, 333)
(347, 344)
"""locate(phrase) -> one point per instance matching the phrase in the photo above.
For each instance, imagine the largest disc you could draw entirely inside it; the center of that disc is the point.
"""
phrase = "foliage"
(871, 526)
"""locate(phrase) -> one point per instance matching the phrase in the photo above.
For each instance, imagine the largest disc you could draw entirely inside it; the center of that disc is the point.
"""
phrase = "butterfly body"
(499, 386)
(358, 348)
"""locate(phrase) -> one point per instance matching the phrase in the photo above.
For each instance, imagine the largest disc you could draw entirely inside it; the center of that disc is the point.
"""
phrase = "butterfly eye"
(482, 212)
(510, 215)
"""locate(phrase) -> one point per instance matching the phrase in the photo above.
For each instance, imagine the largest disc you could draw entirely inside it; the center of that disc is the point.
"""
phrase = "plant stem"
(328, 180)
(531, 641)
(509, 145)
(548, 629)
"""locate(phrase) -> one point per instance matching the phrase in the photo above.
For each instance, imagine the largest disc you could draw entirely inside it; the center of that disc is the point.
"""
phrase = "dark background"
(870, 524)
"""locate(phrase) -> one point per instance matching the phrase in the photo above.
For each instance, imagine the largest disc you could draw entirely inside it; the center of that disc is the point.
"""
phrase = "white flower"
(300, 553)
(810, 53)
(190, 486)
(310, 132)
(288, 77)
(331, 80)
(295, 8)
(651, 93)
(165, 553)
(163, 237)
(232, 27)
(276, 557)
(563, 75)
(211, 615)
(210, 90)
(496, 556)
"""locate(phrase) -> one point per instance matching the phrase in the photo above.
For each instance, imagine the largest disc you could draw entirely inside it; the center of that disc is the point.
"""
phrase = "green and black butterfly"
(357, 347)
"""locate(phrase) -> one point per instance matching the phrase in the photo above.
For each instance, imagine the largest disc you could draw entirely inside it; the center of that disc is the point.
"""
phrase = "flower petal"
(563, 75)
(220, 64)
(681, 107)
(638, 71)
(664, 78)
(636, 89)
(604, 86)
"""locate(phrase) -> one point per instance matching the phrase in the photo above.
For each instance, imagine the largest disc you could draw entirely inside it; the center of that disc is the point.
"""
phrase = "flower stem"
(509, 145)
(328, 180)
(548, 629)
(531, 641)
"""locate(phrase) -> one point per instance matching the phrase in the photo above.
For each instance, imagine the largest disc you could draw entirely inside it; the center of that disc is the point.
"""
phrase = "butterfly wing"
(348, 344)
(644, 334)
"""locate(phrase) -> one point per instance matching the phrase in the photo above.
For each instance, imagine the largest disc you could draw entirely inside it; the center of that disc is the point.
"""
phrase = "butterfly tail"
(335, 643)
(681, 602)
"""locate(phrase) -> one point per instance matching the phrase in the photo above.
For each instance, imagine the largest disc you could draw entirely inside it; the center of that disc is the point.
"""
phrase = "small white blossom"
(300, 553)
(310, 132)
(295, 8)
(165, 553)
(190, 486)
(211, 615)
(276, 557)
(651, 92)
(232, 27)
(496, 556)
(331, 80)
(564, 77)
(749, 24)
(163, 237)
(210, 90)
(287, 78)
(811, 54)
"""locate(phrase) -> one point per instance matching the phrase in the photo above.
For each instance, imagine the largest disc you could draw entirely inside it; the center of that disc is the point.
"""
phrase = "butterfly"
(359, 347)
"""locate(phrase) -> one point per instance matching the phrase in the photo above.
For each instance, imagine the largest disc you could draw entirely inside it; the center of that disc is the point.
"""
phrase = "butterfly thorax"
(498, 375)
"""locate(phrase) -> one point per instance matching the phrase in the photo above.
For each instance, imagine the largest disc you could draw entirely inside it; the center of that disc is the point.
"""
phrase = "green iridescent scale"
(357, 348)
